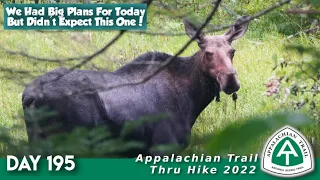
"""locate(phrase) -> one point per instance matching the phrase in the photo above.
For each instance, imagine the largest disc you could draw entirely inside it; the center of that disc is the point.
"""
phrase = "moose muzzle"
(229, 82)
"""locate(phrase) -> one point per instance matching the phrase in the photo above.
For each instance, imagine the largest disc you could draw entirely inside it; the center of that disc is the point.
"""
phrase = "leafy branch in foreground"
(242, 136)
(88, 58)
(238, 137)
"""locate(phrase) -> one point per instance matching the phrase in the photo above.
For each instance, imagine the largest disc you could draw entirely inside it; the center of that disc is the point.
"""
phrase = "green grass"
(253, 61)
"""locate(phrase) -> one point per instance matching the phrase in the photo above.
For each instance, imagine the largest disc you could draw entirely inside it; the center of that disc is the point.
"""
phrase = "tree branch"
(222, 27)
(86, 59)
(305, 31)
(302, 11)
(169, 60)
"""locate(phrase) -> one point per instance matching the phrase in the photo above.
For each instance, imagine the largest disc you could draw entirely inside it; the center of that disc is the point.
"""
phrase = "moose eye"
(232, 53)
(208, 53)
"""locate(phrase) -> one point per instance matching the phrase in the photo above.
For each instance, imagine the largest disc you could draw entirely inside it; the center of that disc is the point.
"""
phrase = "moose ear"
(238, 30)
(191, 30)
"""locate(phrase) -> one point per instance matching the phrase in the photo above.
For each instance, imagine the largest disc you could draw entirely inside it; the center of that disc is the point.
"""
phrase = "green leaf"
(298, 74)
(241, 137)
(314, 2)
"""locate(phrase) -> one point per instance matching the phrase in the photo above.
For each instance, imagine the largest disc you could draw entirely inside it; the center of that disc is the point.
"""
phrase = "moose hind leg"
(35, 117)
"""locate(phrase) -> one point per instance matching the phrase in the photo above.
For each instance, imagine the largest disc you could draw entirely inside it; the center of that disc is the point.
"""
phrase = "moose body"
(181, 91)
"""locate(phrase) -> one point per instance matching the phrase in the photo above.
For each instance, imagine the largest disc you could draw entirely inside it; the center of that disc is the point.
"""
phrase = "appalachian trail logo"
(287, 154)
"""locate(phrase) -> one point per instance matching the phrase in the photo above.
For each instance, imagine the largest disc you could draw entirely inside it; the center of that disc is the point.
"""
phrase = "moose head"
(216, 53)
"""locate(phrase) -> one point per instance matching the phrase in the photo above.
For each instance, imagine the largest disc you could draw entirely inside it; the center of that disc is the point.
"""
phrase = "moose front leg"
(164, 141)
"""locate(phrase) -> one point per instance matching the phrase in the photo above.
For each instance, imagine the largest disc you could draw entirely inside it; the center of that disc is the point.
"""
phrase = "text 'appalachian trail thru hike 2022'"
(286, 154)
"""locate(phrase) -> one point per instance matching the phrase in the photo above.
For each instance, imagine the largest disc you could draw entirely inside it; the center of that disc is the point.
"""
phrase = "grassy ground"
(253, 61)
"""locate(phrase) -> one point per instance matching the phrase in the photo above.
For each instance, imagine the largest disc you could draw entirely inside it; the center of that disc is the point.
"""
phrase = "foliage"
(238, 137)
(298, 79)
(299, 82)
(82, 142)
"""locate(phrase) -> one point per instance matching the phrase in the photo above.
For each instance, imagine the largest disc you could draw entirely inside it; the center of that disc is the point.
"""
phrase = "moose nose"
(231, 83)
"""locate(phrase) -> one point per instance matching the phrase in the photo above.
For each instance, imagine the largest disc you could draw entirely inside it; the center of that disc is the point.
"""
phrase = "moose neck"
(200, 87)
